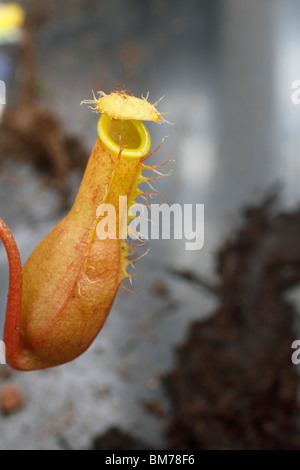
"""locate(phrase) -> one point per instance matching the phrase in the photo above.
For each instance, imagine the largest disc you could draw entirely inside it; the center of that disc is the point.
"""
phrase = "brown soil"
(11, 398)
(115, 439)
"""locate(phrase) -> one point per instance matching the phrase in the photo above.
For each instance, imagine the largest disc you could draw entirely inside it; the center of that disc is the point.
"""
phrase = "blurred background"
(226, 68)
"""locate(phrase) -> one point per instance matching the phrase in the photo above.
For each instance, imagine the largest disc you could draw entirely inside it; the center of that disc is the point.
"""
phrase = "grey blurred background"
(226, 69)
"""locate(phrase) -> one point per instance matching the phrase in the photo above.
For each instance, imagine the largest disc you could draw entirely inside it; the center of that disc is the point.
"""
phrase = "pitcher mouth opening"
(133, 136)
